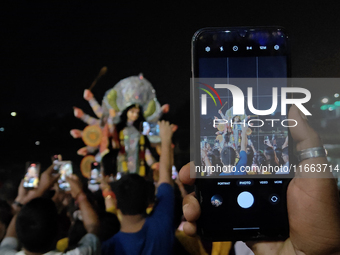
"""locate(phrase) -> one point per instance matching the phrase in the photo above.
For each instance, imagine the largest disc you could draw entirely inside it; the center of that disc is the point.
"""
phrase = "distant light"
(324, 100)
(331, 108)
(2, 129)
(324, 107)
(37, 143)
(336, 95)
(13, 114)
(337, 103)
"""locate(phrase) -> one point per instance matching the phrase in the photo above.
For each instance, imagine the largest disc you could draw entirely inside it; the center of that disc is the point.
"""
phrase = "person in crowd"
(5, 217)
(228, 156)
(35, 225)
(312, 203)
(140, 234)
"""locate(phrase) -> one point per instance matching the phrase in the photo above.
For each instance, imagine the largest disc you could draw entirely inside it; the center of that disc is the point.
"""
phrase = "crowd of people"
(129, 216)
(233, 148)
(136, 216)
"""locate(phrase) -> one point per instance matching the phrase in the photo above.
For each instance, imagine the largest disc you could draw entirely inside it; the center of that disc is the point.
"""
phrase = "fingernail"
(303, 116)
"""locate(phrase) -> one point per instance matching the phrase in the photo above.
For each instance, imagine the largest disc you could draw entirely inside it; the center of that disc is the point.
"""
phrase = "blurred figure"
(36, 225)
(5, 217)
(140, 234)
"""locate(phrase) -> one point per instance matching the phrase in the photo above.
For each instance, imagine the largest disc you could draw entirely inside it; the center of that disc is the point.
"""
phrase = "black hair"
(109, 226)
(138, 124)
(228, 156)
(278, 152)
(261, 160)
(285, 151)
(132, 193)
(270, 155)
(250, 155)
(109, 161)
(37, 225)
(214, 157)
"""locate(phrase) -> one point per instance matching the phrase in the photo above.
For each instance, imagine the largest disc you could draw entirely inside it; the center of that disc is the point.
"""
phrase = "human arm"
(285, 144)
(221, 114)
(244, 141)
(90, 218)
(108, 194)
(312, 203)
(165, 133)
(47, 180)
(269, 144)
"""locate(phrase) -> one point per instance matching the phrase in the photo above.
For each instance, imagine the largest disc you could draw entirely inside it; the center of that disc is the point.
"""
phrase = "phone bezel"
(250, 235)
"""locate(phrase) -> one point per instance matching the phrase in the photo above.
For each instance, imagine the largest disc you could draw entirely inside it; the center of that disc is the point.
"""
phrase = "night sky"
(51, 51)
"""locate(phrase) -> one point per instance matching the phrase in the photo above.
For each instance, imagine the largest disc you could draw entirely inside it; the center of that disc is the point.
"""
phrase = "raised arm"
(165, 132)
(47, 180)
(244, 141)
(90, 218)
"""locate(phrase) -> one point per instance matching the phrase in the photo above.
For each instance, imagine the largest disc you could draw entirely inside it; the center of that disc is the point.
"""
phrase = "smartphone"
(64, 168)
(94, 181)
(174, 173)
(152, 131)
(31, 179)
(236, 205)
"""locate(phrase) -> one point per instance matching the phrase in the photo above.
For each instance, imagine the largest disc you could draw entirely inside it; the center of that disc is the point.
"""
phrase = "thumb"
(55, 178)
(303, 135)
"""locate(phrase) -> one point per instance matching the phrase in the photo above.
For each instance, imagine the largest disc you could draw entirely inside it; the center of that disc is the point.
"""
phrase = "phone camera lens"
(243, 33)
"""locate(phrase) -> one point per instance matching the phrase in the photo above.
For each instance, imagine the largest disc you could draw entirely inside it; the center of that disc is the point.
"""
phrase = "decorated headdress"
(130, 91)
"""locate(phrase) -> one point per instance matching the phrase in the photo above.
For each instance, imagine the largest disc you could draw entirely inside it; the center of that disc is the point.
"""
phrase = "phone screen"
(65, 169)
(152, 131)
(242, 155)
(94, 181)
(31, 179)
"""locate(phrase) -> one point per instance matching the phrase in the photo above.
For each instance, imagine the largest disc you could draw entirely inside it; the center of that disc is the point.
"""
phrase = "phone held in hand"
(64, 168)
(241, 184)
(31, 179)
(94, 181)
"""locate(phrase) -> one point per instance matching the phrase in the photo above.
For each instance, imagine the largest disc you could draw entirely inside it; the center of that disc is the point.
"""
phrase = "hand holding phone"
(64, 169)
(75, 185)
(313, 204)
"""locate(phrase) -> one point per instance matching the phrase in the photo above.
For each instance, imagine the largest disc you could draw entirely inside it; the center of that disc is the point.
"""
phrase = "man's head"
(132, 193)
(228, 156)
(285, 154)
(37, 225)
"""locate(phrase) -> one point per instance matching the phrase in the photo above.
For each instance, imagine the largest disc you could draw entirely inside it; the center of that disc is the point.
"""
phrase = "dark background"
(51, 51)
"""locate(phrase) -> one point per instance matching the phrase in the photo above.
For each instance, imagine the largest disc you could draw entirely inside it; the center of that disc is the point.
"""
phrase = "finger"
(191, 208)
(22, 183)
(174, 127)
(50, 169)
(55, 178)
(304, 136)
(184, 174)
(190, 228)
